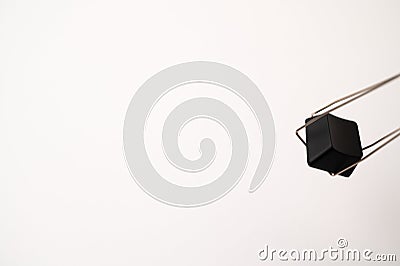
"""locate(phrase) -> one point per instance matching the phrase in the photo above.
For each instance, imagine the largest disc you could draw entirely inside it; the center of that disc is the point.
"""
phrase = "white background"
(68, 70)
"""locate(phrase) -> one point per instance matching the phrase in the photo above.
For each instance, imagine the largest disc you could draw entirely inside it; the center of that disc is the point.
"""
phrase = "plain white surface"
(68, 70)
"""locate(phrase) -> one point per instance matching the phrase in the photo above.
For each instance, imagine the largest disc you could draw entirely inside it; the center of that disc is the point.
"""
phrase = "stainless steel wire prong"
(372, 152)
(356, 95)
